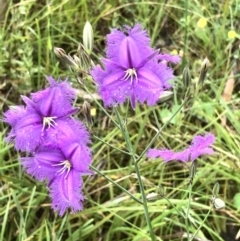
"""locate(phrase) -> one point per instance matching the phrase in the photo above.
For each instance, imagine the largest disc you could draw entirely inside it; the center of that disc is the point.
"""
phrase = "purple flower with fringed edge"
(63, 170)
(132, 69)
(30, 124)
(71, 144)
(199, 146)
(57, 143)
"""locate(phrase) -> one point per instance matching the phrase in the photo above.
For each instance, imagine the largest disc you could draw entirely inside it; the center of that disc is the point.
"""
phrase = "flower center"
(66, 165)
(130, 74)
(49, 121)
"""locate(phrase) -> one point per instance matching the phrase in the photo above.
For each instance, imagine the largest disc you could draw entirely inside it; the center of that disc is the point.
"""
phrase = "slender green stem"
(188, 209)
(174, 206)
(100, 106)
(131, 150)
(186, 34)
(99, 139)
(116, 184)
(200, 226)
(159, 132)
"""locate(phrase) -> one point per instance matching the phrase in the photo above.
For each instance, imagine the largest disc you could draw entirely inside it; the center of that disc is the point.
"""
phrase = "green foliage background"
(30, 29)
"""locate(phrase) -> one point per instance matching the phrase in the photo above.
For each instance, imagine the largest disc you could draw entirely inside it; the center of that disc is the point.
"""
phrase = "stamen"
(130, 73)
(49, 121)
(66, 166)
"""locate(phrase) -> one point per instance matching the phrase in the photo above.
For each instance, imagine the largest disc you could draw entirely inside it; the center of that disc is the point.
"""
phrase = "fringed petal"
(66, 193)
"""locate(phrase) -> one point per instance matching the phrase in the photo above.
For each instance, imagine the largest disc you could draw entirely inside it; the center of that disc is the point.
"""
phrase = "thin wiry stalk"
(131, 150)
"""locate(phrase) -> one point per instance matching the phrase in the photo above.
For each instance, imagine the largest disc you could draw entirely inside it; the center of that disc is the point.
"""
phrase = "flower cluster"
(132, 69)
(199, 146)
(55, 142)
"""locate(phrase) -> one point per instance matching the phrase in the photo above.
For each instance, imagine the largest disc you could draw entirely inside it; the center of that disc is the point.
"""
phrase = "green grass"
(29, 30)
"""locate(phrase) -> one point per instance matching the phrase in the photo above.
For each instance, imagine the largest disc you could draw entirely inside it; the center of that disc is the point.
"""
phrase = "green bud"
(152, 197)
(186, 77)
(83, 58)
(166, 95)
(71, 62)
(60, 53)
(216, 189)
(218, 203)
(161, 191)
(192, 171)
(77, 60)
(204, 68)
(88, 37)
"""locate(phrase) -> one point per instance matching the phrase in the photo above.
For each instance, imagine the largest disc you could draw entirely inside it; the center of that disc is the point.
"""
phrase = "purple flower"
(132, 69)
(44, 109)
(62, 163)
(63, 170)
(56, 142)
(199, 146)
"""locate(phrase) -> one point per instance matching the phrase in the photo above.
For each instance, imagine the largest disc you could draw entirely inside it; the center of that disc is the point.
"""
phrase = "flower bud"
(86, 111)
(152, 197)
(161, 191)
(215, 189)
(88, 37)
(192, 171)
(218, 203)
(186, 77)
(77, 60)
(60, 53)
(166, 95)
(204, 68)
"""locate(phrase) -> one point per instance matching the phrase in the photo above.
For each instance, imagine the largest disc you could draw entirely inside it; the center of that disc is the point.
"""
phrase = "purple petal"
(169, 58)
(56, 100)
(71, 130)
(169, 155)
(199, 152)
(28, 132)
(121, 45)
(78, 155)
(42, 165)
(149, 79)
(113, 79)
(199, 147)
(203, 141)
(116, 94)
(129, 55)
(66, 193)
(14, 114)
(133, 101)
(147, 59)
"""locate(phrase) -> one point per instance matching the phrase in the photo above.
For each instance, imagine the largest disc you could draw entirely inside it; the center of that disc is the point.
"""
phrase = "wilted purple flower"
(44, 109)
(132, 69)
(199, 146)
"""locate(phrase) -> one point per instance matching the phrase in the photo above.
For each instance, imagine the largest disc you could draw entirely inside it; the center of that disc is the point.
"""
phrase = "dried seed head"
(86, 111)
(88, 37)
